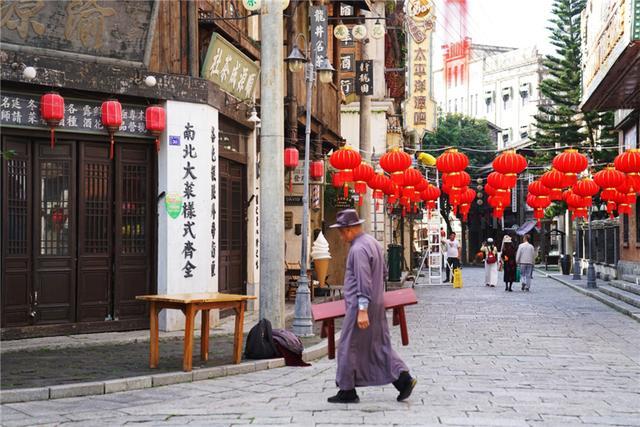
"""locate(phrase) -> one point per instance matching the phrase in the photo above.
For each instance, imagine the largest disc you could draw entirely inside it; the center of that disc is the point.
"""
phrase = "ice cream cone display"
(321, 267)
(321, 257)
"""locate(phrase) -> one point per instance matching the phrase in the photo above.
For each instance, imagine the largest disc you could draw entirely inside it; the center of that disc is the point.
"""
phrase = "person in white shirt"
(526, 259)
(490, 263)
(453, 254)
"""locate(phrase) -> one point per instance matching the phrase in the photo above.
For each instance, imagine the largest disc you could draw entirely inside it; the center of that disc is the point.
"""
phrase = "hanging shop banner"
(80, 115)
(364, 77)
(419, 108)
(318, 23)
(117, 30)
(230, 69)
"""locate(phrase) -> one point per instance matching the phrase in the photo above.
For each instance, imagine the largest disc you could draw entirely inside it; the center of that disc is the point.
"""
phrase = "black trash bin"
(395, 262)
(565, 264)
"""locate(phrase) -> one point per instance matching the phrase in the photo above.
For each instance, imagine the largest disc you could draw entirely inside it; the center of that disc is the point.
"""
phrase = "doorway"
(78, 231)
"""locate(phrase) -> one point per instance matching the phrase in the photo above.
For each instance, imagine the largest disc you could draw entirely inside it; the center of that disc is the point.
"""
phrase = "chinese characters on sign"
(420, 108)
(79, 115)
(214, 197)
(364, 77)
(318, 17)
(347, 62)
(347, 86)
(230, 69)
(89, 27)
(188, 208)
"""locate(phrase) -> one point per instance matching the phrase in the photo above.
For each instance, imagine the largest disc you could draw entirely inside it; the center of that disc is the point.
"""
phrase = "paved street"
(482, 357)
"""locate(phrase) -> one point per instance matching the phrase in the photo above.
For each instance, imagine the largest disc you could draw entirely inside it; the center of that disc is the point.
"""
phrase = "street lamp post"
(302, 322)
(591, 270)
(576, 259)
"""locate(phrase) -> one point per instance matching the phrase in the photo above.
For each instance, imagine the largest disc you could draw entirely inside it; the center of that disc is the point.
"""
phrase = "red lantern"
(431, 193)
(510, 163)
(609, 177)
(629, 161)
(378, 182)
(316, 170)
(345, 159)
(410, 178)
(452, 161)
(155, 122)
(538, 214)
(555, 180)
(336, 179)
(394, 162)
(52, 111)
(586, 187)
(571, 163)
(361, 175)
(498, 181)
(291, 159)
(537, 188)
(111, 119)
(456, 179)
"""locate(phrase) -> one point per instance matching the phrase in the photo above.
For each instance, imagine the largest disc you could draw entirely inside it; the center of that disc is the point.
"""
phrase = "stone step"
(625, 286)
(624, 296)
(619, 305)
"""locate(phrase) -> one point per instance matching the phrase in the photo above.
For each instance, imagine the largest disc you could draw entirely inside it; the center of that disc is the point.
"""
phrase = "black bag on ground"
(290, 347)
(260, 343)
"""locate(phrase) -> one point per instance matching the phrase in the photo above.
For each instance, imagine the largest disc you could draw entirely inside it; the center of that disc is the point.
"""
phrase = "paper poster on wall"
(173, 203)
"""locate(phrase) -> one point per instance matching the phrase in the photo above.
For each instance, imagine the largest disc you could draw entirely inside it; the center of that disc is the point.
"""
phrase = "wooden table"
(189, 304)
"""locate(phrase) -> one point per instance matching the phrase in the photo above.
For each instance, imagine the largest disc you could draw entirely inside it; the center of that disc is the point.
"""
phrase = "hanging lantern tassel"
(111, 146)
(290, 181)
(345, 190)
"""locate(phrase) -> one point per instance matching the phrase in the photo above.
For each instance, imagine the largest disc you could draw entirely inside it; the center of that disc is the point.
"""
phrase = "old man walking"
(365, 355)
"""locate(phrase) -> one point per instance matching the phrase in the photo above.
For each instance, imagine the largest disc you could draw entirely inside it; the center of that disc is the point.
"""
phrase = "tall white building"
(499, 84)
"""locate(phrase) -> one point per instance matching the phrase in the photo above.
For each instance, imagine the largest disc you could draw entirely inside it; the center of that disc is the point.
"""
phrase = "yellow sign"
(230, 69)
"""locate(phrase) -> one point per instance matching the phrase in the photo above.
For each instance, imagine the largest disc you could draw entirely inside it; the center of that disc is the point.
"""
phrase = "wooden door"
(54, 231)
(17, 243)
(95, 232)
(232, 261)
(134, 229)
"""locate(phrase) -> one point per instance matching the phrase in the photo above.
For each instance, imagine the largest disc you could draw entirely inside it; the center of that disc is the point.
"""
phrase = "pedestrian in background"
(365, 355)
(490, 263)
(526, 258)
(508, 260)
(453, 255)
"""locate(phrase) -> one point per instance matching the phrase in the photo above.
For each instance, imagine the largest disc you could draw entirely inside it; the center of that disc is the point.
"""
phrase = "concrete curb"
(96, 388)
(593, 294)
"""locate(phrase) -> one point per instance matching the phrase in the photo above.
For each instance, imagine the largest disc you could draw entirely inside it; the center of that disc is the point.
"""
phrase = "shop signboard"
(419, 108)
(364, 77)
(610, 29)
(81, 115)
(230, 69)
(318, 16)
(112, 30)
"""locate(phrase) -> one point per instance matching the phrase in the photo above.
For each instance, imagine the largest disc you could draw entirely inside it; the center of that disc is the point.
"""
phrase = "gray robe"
(365, 356)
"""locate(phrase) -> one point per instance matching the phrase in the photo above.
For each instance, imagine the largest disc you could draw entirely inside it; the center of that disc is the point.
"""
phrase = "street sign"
(364, 77)
(318, 17)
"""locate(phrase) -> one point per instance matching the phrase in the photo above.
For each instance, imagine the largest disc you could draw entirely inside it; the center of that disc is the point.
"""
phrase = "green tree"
(457, 130)
(559, 119)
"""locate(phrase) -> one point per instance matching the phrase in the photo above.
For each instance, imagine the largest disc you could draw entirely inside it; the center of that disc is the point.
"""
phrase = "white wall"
(492, 74)
(171, 180)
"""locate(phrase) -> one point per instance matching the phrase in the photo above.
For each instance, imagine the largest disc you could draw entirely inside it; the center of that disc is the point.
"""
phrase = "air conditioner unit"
(525, 90)
(488, 96)
(507, 92)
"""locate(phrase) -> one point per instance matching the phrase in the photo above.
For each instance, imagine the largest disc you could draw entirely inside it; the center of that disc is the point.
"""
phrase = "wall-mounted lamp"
(28, 72)
(253, 118)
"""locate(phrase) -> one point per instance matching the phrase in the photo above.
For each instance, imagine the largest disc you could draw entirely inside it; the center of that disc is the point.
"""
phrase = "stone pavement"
(482, 357)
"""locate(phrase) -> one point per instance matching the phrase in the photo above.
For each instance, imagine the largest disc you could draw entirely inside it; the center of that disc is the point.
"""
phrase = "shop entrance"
(77, 232)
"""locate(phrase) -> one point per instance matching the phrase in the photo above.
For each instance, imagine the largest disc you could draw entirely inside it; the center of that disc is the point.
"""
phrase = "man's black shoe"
(406, 391)
(345, 396)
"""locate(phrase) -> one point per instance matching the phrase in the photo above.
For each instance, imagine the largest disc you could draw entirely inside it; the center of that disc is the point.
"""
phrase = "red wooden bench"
(327, 312)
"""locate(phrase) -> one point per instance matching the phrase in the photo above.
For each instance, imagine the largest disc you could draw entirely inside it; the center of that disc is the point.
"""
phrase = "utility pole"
(365, 137)
(272, 166)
